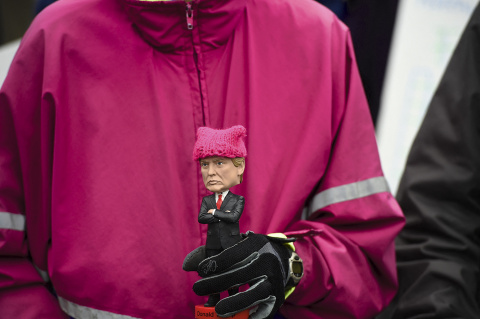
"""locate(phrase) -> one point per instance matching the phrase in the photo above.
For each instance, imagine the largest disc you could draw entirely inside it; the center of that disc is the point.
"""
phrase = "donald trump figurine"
(221, 154)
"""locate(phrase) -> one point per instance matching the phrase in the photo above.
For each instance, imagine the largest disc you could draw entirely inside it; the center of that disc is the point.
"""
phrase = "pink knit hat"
(225, 143)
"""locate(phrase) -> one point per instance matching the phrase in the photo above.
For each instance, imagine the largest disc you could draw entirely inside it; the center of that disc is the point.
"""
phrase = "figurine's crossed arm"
(232, 216)
(204, 217)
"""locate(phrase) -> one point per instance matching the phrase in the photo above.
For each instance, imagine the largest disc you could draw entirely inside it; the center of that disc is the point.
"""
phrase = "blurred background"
(402, 48)
(15, 17)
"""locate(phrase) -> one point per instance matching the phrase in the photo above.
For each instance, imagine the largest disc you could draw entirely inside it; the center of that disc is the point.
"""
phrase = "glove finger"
(193, 259)
(258, 294)
(259, 266)
(235, 277)
(266, 309)
(232, 257)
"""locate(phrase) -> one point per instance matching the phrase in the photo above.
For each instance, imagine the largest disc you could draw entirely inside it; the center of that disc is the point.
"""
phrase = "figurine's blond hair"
(237, 161)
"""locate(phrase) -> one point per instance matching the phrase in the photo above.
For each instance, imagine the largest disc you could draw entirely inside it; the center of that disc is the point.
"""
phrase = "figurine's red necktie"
(219, 201)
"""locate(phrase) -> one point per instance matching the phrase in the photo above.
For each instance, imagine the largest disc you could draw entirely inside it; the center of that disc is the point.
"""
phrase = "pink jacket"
(98, 191)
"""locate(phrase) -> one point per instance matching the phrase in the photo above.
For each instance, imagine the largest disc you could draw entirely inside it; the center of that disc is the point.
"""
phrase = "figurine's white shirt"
(224, 194)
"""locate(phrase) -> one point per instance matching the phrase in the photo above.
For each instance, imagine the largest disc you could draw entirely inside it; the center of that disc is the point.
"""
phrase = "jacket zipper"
(189, 19)
(189, 16)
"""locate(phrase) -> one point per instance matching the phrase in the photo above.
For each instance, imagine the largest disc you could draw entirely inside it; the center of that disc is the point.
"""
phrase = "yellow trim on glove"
(288, 292)
(290, 246)
(280, 235)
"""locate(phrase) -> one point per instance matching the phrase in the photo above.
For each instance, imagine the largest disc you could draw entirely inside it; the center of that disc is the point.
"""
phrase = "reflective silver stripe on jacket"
(347, 192)
(42, 273)
(82, 312)
(17, 222)
(12, 221)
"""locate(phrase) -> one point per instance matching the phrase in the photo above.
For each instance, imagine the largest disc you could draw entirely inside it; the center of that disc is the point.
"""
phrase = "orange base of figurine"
(202, 312)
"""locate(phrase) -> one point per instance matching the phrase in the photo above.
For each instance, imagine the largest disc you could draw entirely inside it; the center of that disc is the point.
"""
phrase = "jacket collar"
(163, 24)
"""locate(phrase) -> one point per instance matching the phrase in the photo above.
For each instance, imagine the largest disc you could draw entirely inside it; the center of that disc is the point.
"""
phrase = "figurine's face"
(219, 173)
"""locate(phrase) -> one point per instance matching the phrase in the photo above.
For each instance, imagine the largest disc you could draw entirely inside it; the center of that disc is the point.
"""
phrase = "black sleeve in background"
(371, 25)
(438, 252)
(42, 4)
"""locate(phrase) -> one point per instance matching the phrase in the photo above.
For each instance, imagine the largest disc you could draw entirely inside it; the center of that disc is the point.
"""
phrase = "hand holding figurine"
(267, 264)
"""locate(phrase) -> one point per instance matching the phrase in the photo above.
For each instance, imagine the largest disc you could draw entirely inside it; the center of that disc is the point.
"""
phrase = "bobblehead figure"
(221, 154)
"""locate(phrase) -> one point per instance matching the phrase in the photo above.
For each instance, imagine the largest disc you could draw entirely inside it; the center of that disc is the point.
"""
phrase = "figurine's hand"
(210, 211)
(258, 260)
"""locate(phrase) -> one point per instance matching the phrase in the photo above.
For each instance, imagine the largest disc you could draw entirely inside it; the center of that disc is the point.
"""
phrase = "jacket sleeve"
(439, 250)
(346, 239)
(204, 217)
(22, 290)
(234, 215)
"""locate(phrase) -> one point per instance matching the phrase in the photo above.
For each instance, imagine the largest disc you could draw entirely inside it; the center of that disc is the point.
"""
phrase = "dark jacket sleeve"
(438, 251)
(204, 217)
(234, 215)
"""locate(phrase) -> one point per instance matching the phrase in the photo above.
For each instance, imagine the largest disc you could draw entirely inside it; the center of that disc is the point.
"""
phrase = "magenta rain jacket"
(98, 191)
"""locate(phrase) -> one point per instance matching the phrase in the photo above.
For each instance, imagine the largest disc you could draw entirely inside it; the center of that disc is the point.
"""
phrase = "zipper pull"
(189, 16)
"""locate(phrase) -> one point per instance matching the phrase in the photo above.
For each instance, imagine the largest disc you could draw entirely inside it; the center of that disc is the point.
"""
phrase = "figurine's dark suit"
(223, 230)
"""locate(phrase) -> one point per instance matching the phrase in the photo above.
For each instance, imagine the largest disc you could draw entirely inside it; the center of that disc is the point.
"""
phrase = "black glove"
(258, 260)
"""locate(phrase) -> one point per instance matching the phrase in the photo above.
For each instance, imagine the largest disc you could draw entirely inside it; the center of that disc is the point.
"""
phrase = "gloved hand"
(258, 260)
